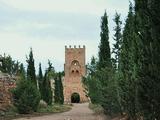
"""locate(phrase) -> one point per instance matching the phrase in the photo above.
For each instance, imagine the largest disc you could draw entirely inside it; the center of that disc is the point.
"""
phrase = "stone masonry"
(75, 69)
(7, 82)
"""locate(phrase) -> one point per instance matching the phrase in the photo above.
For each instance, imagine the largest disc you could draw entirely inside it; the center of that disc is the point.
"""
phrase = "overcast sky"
(48, 25)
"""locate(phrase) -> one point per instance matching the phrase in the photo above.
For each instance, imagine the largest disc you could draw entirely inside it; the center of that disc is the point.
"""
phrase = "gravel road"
(78, 112)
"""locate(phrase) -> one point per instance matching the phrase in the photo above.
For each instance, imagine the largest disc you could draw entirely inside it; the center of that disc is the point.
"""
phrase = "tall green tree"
(31, 75)
(115, 60)
(129, 67)
(118, 40)
(22, 72)
(58, 92)
(105, 72)
(47, 95)
(104, 48)
(92, 83)
(51, 70)
(147, 18)
(40, 80)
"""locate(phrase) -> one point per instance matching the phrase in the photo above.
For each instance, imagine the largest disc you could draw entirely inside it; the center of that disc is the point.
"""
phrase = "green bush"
(26, 97)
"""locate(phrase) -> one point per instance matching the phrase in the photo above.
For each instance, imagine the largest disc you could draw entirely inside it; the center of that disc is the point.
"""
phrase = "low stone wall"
(6, 84)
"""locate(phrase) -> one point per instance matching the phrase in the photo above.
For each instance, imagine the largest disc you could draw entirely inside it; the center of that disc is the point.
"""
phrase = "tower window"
(75, 63)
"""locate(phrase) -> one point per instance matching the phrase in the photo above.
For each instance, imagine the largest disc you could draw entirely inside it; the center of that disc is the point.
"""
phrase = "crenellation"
(74, 46)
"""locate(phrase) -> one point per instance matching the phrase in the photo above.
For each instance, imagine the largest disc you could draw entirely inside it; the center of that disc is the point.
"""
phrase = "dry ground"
(78, 112)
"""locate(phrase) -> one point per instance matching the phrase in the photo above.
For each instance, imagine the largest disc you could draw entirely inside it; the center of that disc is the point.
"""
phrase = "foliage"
(128, 67)
(56, 108)
(147, 19)
(46, 91)
(31, 75)
(104, 49)
(109, 100)
(58, 92)
(118, 40)
(8, 65)
(40, 80)
(115, 63)
(26, 97)
(100, 75)
(92, 85)
(22, 72)
(131, 84)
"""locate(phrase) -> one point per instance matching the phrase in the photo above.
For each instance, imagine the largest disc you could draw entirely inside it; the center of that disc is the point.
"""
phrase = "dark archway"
(75, 98)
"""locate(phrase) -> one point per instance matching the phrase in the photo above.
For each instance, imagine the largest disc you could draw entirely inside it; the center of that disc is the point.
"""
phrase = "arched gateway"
(75, 69)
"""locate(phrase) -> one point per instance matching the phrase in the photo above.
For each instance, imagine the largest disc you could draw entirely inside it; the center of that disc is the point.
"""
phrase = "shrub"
(26, 97)
(42, 104)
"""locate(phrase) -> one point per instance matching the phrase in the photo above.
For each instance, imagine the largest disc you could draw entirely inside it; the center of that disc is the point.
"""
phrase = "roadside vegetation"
(125, 80)
(33, 94)
(11, 112)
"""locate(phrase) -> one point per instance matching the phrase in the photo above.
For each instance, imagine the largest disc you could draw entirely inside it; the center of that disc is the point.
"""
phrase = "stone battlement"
(70, 47)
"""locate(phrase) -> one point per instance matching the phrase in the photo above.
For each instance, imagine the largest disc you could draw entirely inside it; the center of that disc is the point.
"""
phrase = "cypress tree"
(104, 49)
(40, 80)
(46, 91)
(47, 95)
(58, 92)
(61, 88)
(129, 67)
(22, 72)
(118, 39)
(147, 17)
(92, 83)
(104, 73)
(31, 75)
(115, 61)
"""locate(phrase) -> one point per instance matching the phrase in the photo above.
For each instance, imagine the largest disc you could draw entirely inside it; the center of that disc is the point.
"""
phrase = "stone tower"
(75, 69)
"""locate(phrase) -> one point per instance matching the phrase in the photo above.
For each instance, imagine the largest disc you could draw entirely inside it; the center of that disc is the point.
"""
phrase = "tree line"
(126, 78)
(32, 88)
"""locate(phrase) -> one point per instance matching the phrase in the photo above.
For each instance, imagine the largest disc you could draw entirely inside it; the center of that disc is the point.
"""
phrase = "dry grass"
(56, 108)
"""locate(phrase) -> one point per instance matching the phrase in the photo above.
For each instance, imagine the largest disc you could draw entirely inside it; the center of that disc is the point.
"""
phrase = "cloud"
(68, 6)
(18, 46)
(48, 25)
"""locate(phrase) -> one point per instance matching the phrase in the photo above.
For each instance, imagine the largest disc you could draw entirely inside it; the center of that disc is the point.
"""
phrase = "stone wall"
(6, 84)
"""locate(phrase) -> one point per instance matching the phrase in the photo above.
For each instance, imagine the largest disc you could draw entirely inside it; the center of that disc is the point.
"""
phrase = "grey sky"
(48, 25)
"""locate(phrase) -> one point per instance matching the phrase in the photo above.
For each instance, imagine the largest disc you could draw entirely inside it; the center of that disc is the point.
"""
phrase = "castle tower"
(75, 69)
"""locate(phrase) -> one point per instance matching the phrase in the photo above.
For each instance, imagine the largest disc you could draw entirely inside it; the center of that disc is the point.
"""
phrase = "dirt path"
(78, 112)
